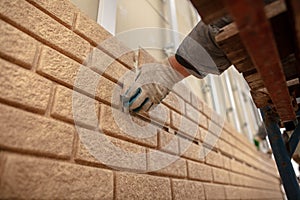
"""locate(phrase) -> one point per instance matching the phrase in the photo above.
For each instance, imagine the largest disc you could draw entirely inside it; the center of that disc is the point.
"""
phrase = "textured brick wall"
(43, 46)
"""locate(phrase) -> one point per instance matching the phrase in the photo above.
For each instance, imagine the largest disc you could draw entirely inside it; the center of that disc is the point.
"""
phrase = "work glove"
(151, 85)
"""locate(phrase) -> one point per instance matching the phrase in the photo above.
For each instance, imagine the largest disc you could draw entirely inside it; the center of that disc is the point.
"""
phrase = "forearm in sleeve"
(200, 54)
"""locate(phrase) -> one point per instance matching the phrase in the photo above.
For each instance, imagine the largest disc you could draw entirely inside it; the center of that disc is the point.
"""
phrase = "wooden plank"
(209, 10)
(296, 13)
(256, 33)
(261, 98)
(230, 42)
(254, 81)
(271, 11)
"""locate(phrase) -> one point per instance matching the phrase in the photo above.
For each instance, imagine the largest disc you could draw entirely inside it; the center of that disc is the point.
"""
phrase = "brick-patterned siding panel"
(17, 46)
(88, 28)
(28, 132)
(168, 142)
(62, 69)
(120, 127)
(43, 27)
(134, 186)
(213, 191)
(69, 105)
(57, 65)
(36, 178)
(97, 148)
(23, 87)
(200, 172)
(183, 189)
(62, 10)
(165, 164)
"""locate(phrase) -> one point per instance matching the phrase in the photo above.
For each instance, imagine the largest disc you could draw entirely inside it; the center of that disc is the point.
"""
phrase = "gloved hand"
(151, 85)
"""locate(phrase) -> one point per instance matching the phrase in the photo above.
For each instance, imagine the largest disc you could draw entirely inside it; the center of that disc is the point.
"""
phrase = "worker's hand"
(151, 85)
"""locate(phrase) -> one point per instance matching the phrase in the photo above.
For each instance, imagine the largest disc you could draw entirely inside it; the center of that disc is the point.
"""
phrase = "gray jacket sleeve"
(200, 54)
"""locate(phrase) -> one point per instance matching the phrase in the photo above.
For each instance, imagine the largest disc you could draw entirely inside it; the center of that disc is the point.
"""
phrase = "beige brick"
(69, 105)
(98, 148)
(236, 179)
(29, 132)
(195, 115)
(245, 193)
(174, 102)
(70, 73)
(182, 90)
(232, 192)
(23, 87)
(62, 10)
(207, 110)
(166, 164)
(203, 134)
(119, 124)
(128, 59)
(183, 189)
(196, 102)
(236, 166)
(58, 67)
(145, 58)
(37, 178)
(213, 158)
(214, 128)
(213, 191)
(184, 125)
(225, 148)
(118, 50)
(168, 142)
(89, 29)
(210, 140)
(44, 28)
(17, 46)
(161, 114)
(189, 149)
(230, 139)
(198, 171)
(221, 176)
(107, 66)
(140, 186)
(226, 136)
(227, 163)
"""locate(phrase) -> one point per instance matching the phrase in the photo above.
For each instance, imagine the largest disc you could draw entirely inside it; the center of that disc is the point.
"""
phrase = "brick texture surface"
(107, 66)
(199, 171)
(168, 142)
(165, 164)
(60, 9)
(29, 132)
(95, 147)
(23, 87)
(118, 124)
(74, 107)
(33, 178)
(88, 28)
(64, 134)
(17, 46)
(213, 191)
(133, 186)
(183, 189)
(42, 26)
(62, 69)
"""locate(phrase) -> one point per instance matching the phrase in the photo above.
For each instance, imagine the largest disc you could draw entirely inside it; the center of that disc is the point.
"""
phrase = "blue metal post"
(282, 158)
(294, 140)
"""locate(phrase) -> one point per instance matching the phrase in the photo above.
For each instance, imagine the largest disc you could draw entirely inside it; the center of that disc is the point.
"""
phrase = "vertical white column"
(174, 23)
(232, 102)
(107, 14)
